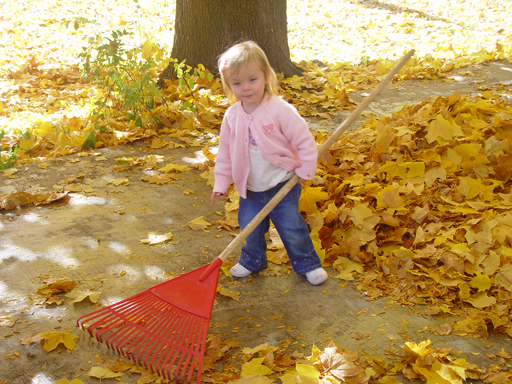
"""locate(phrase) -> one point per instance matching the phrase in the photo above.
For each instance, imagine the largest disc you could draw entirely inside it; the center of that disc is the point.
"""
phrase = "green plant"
(126, 77)
(78, 22)
(90, 141)
(365, 60)
(188, 78)
(10, 160)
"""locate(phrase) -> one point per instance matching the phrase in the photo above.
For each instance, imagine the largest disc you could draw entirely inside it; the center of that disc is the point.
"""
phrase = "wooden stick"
(328, 143)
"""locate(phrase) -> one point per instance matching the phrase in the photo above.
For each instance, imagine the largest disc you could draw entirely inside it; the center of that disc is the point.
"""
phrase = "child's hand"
(301, 180)
(219, 195)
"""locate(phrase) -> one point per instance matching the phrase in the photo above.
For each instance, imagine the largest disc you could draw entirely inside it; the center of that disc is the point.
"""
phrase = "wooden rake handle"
(291, 183)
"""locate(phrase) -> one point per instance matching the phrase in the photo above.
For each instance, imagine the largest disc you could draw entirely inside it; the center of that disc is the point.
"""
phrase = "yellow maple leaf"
(309, 197)
(305, 374)
(279, 257)
(359, 213)
(433, 174)
(414, 169)
(367, 232)
(153, 238)
(79, 295)
(469, 187)
(209, 176)
(422, 349)
(171, 167)
(503, 277)
(229, 293)
(339, 365)
(442, 129)
(252, 351)
(103, 373)
(482, 282)
(346, 267)
(393, 169)
(491, 263)
(52, 339)
(390, 198)
(56, 286)
(198, 224)
(255, 367)
(439, 374)
(329, 93)
(481, 300)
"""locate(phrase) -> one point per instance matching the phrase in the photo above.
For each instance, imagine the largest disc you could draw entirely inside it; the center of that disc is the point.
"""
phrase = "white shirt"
(263, 175)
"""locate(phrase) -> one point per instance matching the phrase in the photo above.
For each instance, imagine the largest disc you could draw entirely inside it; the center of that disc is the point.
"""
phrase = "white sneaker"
(316, 276)
(239, 271)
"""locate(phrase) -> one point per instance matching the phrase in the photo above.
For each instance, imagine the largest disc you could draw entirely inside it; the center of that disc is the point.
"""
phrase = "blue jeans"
(290, 225)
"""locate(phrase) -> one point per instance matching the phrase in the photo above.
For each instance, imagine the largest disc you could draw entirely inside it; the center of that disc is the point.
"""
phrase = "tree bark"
(206, 28)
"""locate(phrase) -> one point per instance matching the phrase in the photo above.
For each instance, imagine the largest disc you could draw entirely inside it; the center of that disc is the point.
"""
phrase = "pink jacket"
(280, 132)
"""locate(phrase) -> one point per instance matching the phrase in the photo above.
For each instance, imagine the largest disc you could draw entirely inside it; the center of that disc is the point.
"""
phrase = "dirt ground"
(88, 240)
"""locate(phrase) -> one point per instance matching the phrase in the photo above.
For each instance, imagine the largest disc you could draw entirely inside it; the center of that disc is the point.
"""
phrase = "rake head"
(163, 328)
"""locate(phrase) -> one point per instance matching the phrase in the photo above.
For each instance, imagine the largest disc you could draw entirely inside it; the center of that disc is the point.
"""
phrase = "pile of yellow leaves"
(422, 202)
(334, 364)
(343, 47)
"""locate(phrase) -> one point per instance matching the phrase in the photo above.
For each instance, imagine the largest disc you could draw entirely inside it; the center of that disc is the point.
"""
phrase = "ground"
(93, 237)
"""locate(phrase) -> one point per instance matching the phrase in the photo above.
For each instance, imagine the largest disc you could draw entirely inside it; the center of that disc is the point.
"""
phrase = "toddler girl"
(263, 141)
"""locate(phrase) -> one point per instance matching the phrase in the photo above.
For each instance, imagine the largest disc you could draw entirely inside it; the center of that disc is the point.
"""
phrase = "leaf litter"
(420, 199)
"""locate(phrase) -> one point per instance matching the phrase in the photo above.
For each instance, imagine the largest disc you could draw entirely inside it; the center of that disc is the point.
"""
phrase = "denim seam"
(246, 266)
(312, 268)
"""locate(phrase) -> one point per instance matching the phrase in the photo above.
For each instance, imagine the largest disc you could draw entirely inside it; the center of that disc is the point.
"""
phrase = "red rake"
(164, 328)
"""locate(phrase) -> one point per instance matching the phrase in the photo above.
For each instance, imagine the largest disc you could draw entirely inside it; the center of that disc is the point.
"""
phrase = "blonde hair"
(242, 54)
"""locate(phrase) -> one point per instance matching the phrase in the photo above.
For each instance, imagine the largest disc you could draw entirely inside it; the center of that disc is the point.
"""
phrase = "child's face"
(248, 86)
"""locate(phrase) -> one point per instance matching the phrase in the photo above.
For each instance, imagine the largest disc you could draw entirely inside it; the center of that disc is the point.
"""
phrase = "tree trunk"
(206, 28)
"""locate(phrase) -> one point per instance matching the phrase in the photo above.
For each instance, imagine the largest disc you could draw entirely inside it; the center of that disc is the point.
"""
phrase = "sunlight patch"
(34, 218)
(118, 247)
(87, 200)
(42, 378)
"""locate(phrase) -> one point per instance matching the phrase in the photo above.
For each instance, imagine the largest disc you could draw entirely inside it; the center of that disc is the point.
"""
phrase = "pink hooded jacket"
(280, 132)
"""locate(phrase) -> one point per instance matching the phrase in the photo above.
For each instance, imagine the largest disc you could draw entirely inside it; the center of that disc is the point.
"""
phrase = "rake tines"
(163, 328)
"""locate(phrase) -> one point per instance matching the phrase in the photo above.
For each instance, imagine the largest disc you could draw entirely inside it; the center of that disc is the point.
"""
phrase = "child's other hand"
(219, 195)
(301, 180)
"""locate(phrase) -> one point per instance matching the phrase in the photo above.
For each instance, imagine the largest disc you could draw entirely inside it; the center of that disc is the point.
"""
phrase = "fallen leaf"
(153, 238)
(103, 373)
(52, 339)
(7, 321)
(229, 293)
(198, 224)
(79, 295)
(255, 367)
(173, 167)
